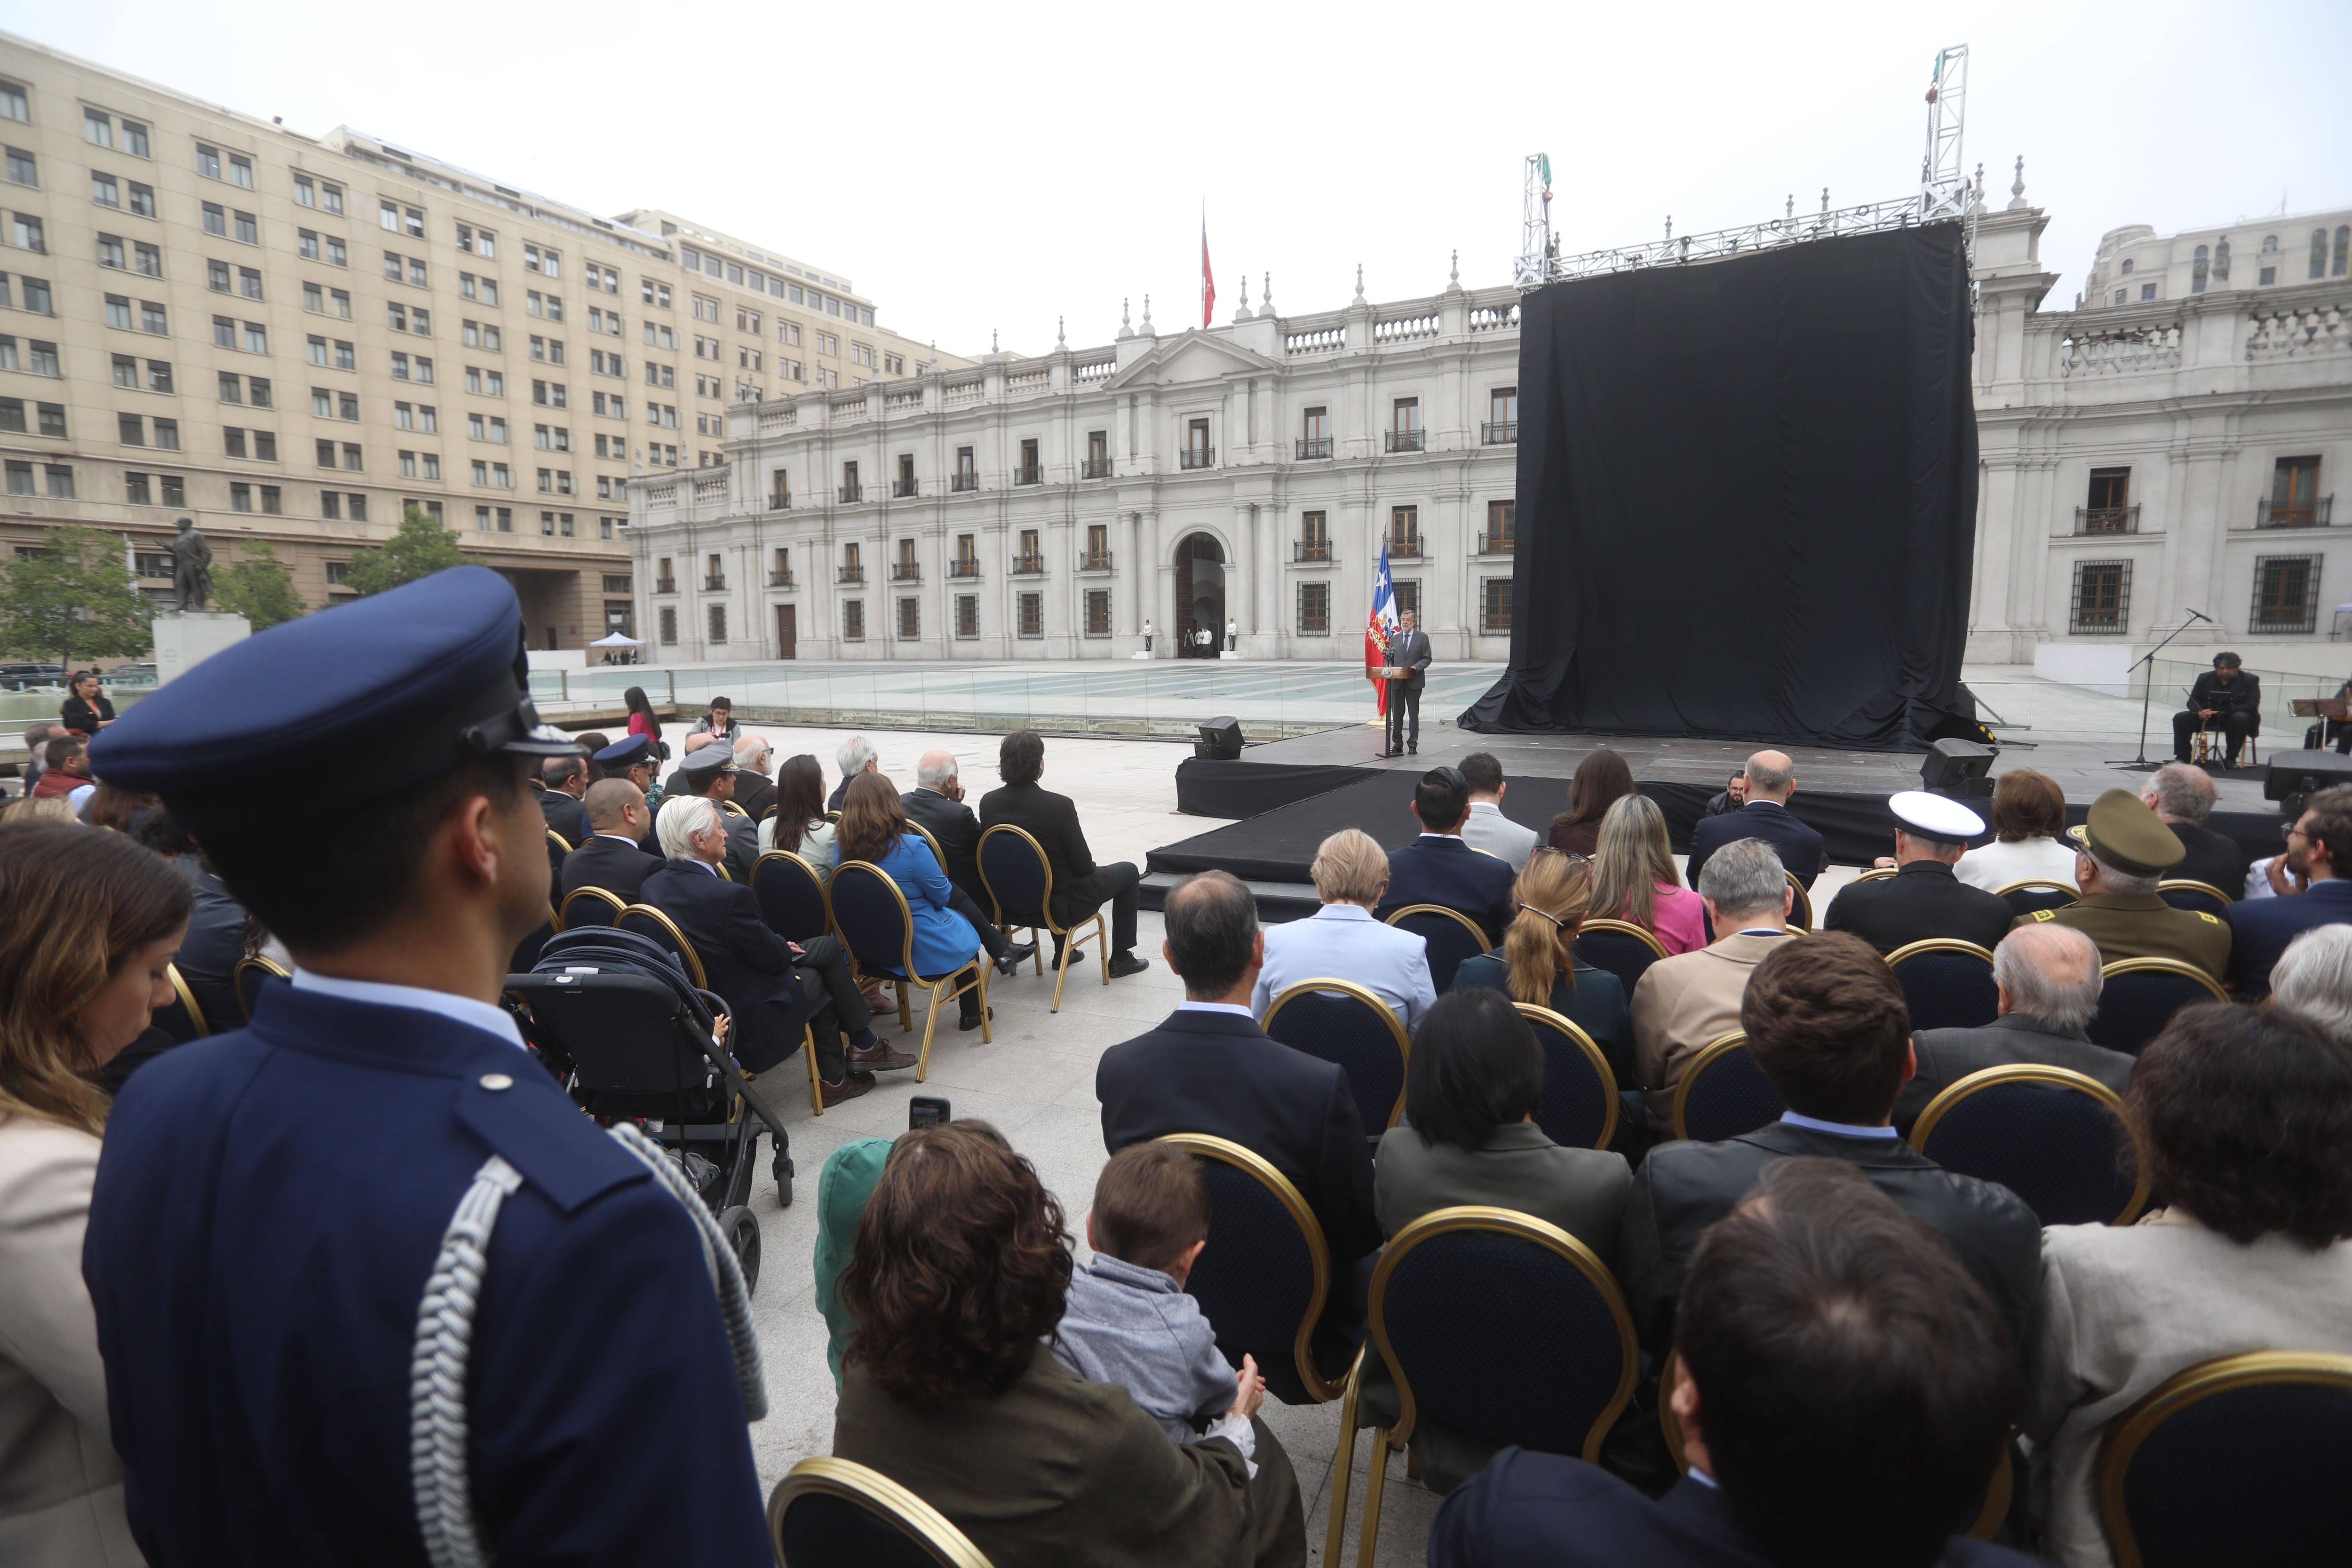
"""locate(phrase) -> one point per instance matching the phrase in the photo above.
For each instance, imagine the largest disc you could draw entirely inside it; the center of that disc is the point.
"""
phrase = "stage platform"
(1289, 794)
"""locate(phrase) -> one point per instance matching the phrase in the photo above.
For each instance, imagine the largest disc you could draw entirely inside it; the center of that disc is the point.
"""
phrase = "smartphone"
(927, 1110)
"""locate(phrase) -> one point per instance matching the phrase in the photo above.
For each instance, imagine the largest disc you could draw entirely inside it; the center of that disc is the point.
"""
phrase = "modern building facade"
(293, 338)
(2135, 456)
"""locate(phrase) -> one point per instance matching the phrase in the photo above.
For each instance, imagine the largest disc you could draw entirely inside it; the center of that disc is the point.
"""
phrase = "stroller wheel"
(783, 1180)
(741, 1229)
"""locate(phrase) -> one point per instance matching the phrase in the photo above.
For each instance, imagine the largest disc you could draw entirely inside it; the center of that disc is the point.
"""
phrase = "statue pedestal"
(186, 638)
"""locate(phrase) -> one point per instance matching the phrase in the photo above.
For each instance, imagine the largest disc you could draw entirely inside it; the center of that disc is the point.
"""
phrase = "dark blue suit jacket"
(1800, 849)
(1219, 1073)
(743, 959)
(1440, 868)
(1546, 1511)
(267, 1208)
(2260, 929)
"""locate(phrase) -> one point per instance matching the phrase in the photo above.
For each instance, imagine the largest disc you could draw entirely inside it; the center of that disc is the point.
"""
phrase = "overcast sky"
(985, 168)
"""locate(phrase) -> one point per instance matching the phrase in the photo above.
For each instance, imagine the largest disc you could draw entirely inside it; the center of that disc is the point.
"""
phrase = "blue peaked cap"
(396, 688)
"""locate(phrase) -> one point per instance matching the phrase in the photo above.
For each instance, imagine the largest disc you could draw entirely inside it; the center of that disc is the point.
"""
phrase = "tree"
(421, 548)
(259, 588)
(73, 599)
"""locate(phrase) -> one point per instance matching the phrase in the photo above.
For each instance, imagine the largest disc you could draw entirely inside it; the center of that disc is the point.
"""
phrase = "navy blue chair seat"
(790, 897)
(1722, 1093)
(2184, 893)
(1947, 983)
(1344, 1024)
(1621, 947)
(2239, 1460)
(2055, 1138)
(2137, 997)
(869, 910)
(835, 1513)
(1452, 936)
(1579, 1105)
(1020, 882)
(2034, 893)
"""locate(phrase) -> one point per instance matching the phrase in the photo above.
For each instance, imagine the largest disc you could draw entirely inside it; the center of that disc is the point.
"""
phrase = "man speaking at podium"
(1408, 658)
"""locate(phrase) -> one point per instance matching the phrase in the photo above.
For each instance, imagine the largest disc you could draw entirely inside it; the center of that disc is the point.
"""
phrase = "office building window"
(967, 616)
(853, 620)
(2286, 594)
(1098, 612)
(1031, 620)
(668, 621)
(910, 619)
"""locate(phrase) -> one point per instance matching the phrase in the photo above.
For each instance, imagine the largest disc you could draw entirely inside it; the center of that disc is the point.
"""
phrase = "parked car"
(30, 677)
(139, 674)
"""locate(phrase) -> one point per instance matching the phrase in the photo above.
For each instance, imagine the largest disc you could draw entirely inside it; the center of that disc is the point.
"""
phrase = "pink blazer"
(1679, 920)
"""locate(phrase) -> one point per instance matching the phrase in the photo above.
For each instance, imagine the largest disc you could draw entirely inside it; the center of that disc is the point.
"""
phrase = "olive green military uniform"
(2142, 925)
(2122, 832)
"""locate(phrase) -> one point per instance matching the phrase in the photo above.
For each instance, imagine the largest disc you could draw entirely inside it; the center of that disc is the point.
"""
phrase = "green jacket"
(850, 1174)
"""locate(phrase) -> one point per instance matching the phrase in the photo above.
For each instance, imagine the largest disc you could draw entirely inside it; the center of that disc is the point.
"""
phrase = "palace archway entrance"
(1199, 596)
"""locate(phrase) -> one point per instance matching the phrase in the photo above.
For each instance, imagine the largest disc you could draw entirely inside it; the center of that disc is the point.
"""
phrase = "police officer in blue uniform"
(272, 1202)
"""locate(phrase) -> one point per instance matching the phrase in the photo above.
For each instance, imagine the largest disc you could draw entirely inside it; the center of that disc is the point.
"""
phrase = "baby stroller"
(633, 1035)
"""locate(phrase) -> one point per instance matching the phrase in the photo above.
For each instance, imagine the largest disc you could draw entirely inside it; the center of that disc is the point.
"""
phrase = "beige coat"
(2124, 1309)
(61, 1486)
(1684, 1004)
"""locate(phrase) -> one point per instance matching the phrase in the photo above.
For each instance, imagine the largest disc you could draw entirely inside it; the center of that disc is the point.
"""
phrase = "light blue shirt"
(1842, 1129)
(1343, 942)
(1189, 1005)
(464, 1009)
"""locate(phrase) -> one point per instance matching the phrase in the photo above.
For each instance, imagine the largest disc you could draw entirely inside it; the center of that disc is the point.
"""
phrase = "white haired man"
(936, 804)
(856, 756)
(2048, 981)
(755, 792)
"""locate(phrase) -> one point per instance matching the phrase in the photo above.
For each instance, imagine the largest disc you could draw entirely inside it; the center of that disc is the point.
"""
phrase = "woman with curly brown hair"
(2244, 1119)
(961, 1266)
(89, 923)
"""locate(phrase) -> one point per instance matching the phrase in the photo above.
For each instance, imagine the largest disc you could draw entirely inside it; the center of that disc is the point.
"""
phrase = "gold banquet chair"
(250, 975)
(1451, 1316)
(870, 910)
(838, 1513)
(1020, 883)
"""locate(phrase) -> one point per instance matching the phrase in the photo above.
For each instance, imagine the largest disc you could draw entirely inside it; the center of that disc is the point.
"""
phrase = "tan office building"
(291, 339)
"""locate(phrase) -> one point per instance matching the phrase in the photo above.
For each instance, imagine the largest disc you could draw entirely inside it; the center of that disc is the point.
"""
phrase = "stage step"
(1277, 901)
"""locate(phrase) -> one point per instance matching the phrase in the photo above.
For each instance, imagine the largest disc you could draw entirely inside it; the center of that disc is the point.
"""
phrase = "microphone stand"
(2148, 692)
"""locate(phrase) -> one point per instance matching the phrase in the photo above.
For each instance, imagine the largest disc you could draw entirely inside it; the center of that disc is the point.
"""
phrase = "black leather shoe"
(1075, 959)
(972, 1020)
(1412, 751)
(1126, 964)
(877, 1058)
(1019, 953)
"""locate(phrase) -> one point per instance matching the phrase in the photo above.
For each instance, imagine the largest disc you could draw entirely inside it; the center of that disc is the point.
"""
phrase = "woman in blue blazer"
(874, 828)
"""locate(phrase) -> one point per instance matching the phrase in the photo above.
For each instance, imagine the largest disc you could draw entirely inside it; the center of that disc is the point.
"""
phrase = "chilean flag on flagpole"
(1208, 278)
(1379, 628)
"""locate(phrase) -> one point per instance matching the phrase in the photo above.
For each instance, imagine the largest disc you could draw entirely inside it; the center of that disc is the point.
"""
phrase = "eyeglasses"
(2290, 829)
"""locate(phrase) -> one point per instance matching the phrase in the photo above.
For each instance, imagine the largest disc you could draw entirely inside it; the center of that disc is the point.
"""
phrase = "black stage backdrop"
(1746, 498)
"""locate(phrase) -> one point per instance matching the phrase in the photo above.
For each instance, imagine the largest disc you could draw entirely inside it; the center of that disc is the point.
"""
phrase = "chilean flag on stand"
(1379, 629)
(1208, 278)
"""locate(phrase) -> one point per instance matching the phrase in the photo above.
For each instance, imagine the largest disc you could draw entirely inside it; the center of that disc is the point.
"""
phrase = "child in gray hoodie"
(1128, 1320)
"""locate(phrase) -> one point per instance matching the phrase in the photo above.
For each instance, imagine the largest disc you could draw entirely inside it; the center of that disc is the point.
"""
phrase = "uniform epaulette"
(2050, 914)
(2209, 920)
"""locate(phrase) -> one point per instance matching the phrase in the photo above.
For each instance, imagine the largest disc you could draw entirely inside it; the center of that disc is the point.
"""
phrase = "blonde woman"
(92, 923)
(1537, 962)
(1634, 876)
(1342, 941)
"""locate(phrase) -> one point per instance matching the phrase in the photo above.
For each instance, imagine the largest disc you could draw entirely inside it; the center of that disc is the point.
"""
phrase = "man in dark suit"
(1771, 779)
(773, 988)
(613, 856)
(1438, 868)
(1844, 1394)
(1922, 899)
(2224, 698)
(2048, 979)
(2182, 797)
(632, 758)
(709, 773)
(1408, 649)
(755, 792)
(2259, 929)
(1208, 1068)
(1080, 886)
(1826, 1023)
(562, 782)
(936, 804)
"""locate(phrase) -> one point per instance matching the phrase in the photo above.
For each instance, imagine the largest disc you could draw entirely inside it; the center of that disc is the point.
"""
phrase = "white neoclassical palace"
(2175, 444)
